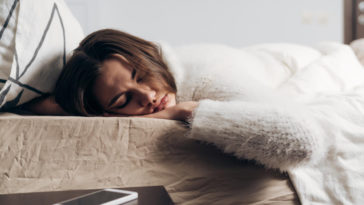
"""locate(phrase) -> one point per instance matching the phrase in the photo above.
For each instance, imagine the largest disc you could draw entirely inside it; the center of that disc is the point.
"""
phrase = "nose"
(147, 96)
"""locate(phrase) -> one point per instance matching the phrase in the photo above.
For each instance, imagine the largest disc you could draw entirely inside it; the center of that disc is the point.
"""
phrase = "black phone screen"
(96, 198)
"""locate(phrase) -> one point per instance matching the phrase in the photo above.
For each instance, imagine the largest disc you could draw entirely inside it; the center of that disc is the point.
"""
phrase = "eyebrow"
(116, 97)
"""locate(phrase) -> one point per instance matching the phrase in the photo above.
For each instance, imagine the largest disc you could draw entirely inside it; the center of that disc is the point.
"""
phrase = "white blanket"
(333, 86)
(329, 80)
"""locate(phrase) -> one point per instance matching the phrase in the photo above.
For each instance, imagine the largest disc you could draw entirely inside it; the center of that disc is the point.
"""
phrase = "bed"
(53, 153)
(64, 153)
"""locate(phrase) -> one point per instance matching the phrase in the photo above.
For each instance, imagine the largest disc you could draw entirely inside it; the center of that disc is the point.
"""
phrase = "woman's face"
(119, 90)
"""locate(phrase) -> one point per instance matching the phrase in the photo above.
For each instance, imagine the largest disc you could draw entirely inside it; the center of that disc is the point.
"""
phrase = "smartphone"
(104, 197)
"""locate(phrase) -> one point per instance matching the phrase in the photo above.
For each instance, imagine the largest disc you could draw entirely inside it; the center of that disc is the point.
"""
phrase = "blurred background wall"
(233, 22)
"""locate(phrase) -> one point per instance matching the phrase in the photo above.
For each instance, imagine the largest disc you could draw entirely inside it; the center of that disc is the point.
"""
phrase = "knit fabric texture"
(240, 115)
(274, 136)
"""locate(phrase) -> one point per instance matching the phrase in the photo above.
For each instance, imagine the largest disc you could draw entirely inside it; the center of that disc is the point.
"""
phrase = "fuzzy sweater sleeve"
(276, 136)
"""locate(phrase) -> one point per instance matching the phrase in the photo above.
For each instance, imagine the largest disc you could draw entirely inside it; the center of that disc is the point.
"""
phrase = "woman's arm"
(182, 111)
(278, 136)
(45, 105)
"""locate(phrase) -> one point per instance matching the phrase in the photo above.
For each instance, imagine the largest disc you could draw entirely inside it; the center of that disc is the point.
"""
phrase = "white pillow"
(33, 48)
(8, 17)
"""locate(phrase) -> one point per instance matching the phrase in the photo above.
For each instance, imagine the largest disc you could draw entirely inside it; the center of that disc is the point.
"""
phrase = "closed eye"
(128, 99)
(133, 76)
(127, 96)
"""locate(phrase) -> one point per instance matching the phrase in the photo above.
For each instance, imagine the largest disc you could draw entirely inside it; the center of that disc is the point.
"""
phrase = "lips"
(162, 104)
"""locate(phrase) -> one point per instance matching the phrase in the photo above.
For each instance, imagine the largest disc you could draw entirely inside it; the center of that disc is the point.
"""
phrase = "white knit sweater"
(238, 113)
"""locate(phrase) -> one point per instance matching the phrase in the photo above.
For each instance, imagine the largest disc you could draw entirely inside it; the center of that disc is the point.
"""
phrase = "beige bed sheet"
(45, 153)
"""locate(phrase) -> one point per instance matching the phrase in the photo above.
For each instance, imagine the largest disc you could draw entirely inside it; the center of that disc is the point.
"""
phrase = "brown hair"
(73, 91)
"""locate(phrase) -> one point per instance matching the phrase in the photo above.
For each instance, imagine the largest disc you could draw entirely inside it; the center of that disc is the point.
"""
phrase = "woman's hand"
(182, 111)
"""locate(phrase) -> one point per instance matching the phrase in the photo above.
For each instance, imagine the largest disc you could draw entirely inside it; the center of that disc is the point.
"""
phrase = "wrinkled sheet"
(47, 153)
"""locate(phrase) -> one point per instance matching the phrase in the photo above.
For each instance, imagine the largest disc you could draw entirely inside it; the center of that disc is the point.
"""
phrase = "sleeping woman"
(113, 73)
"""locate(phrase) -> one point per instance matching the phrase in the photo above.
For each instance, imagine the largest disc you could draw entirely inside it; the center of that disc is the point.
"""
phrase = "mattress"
(53, 153)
